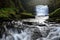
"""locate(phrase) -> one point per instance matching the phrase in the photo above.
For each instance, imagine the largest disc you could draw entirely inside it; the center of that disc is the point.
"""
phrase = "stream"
(31, 32)
(37, 30)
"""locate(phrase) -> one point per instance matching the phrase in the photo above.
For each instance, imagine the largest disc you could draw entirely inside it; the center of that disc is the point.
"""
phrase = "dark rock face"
(29, 5)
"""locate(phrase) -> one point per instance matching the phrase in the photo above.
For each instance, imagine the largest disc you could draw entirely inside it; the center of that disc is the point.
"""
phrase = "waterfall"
(41, 13)
(17, 30)
(41, 10)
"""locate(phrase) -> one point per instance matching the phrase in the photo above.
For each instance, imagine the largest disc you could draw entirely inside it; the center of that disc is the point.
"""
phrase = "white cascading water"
(15, 35)
(41, 13)
(48, 33)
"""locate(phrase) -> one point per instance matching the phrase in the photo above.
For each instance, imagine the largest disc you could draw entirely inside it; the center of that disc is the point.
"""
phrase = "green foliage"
(55, 16)
(56, 13)
(10, 14)
(7, 13)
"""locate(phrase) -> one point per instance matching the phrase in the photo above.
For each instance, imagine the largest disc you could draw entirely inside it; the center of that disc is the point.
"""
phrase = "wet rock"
(36, 34)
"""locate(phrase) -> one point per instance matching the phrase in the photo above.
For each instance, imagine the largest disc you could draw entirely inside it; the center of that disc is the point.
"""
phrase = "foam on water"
(14, 35)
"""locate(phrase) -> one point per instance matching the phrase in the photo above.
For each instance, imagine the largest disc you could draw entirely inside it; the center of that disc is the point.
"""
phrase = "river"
(31, 32)
(37, 30)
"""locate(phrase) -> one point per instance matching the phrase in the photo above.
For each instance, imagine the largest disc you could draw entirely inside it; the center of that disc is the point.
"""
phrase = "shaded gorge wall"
(29, 5)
